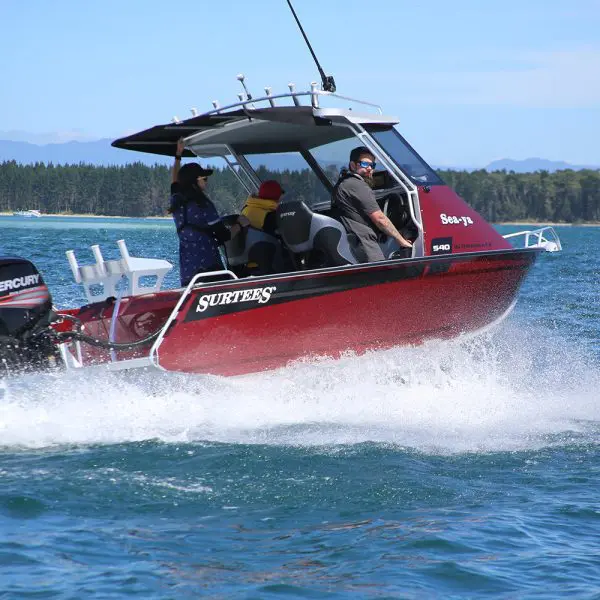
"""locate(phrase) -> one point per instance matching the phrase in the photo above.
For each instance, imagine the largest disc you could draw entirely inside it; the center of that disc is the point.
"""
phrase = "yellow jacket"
(256, 209)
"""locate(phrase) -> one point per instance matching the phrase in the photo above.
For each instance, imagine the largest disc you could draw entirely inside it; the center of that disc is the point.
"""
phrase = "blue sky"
(471, 80)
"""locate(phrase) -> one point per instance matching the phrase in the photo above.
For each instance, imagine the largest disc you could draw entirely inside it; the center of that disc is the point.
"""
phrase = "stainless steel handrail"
(294, 96)
(153, 354)
(544, 237)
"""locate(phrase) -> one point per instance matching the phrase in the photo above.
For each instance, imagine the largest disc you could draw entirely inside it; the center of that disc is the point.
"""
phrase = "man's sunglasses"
(365, 164)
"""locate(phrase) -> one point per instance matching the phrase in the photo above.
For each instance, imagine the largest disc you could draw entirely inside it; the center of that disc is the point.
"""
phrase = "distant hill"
(530, 165)
(101, 153)
(98, 152)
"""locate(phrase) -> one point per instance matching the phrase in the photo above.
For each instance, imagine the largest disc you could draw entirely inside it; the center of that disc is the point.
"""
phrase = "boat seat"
(322, 240)
(104, 279)
(254, 252)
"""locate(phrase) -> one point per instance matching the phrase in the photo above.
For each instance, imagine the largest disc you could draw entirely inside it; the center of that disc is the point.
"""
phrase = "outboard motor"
(26, 338)
(322, 240)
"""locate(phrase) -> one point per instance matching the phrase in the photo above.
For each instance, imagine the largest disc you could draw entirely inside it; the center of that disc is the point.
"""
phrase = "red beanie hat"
(270, 190)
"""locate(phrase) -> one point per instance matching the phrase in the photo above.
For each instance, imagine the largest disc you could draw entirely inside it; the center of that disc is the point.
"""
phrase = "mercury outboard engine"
(26, 339)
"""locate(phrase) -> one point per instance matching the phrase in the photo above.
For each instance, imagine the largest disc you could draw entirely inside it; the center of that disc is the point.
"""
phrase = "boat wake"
(491, 393)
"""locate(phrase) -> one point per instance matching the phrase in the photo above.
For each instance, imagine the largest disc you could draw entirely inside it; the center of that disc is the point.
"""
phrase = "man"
(355, 204)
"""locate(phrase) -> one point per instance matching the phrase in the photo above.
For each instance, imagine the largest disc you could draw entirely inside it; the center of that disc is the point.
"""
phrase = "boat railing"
(545, 237)
(196, 281)
(72, 354)
(269, 99)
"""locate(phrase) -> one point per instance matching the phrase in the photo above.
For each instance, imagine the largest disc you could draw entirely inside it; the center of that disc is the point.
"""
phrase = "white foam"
(496, 392)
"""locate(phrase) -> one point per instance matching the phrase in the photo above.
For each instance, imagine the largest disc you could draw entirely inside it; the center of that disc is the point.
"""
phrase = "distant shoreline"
(79, 216)
(551, 224)
(167, 217)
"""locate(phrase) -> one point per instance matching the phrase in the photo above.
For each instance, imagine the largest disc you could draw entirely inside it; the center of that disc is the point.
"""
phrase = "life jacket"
(256, 210)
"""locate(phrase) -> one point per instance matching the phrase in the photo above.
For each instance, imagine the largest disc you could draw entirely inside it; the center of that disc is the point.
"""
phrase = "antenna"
(327, 81)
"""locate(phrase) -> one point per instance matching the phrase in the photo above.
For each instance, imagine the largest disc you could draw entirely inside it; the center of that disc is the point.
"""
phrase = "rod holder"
(242, 79)
(268, 94)
(314, 88)
(99, 259)
(74, 266)
(292, 88)
(123, 248)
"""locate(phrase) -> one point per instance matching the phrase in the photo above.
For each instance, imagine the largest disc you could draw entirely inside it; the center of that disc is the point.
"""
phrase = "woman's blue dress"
(198, 250)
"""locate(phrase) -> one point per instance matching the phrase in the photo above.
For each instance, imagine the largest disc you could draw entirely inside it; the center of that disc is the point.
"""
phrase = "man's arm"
(386, 226)
(364, 198)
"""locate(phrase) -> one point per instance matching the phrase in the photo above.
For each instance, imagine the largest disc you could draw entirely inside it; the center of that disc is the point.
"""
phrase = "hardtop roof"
(250, 130)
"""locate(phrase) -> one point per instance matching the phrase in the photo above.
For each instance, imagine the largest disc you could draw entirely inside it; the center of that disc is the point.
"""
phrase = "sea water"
(449, 470)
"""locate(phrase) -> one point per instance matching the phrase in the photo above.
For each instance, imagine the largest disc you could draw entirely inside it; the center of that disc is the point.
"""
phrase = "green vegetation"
(561, 197)
(138, 191)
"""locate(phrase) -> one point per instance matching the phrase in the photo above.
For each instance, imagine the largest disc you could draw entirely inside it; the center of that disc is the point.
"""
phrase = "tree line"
(137, 190)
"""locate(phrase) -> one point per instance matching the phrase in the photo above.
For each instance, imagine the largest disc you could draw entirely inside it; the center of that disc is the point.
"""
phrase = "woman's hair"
(186, 187)
(188, 174)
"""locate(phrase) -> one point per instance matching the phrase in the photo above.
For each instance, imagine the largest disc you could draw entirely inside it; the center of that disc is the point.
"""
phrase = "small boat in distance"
(27, 213)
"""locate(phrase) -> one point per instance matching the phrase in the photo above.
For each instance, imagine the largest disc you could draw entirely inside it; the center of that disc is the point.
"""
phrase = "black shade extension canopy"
(162, 139)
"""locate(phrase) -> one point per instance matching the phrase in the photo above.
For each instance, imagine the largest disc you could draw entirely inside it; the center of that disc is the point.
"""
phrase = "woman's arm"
(224, 233)
(177, 163)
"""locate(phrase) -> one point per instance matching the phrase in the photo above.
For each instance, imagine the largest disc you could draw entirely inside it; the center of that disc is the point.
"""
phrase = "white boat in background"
(27, 213)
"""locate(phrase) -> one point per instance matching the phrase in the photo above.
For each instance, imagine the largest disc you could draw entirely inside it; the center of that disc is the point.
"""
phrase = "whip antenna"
(327, 81)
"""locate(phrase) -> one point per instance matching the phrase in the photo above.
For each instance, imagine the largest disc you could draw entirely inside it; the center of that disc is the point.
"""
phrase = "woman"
(199, 227)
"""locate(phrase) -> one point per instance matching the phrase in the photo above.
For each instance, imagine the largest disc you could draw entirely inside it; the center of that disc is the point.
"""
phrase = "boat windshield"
(227, 188)
(334, 156)
(293, 173)
(403, 155)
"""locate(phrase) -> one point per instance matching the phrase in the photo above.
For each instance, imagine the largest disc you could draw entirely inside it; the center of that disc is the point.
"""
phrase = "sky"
(471, 81)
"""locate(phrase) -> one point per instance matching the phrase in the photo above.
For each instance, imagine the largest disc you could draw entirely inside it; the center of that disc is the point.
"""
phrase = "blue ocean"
(463, 469)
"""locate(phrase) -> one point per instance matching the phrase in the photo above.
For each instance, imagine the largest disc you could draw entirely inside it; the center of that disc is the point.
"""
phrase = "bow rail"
(545, 237)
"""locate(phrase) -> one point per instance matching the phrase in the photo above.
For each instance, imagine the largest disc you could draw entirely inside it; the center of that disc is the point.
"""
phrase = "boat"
(27, 213)
(460, 276)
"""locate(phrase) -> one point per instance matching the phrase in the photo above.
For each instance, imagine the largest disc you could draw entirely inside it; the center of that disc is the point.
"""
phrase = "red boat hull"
(249, 325)
(359, 308)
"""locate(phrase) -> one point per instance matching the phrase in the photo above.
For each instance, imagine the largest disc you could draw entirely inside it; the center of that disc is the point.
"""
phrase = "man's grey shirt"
(355, 201)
